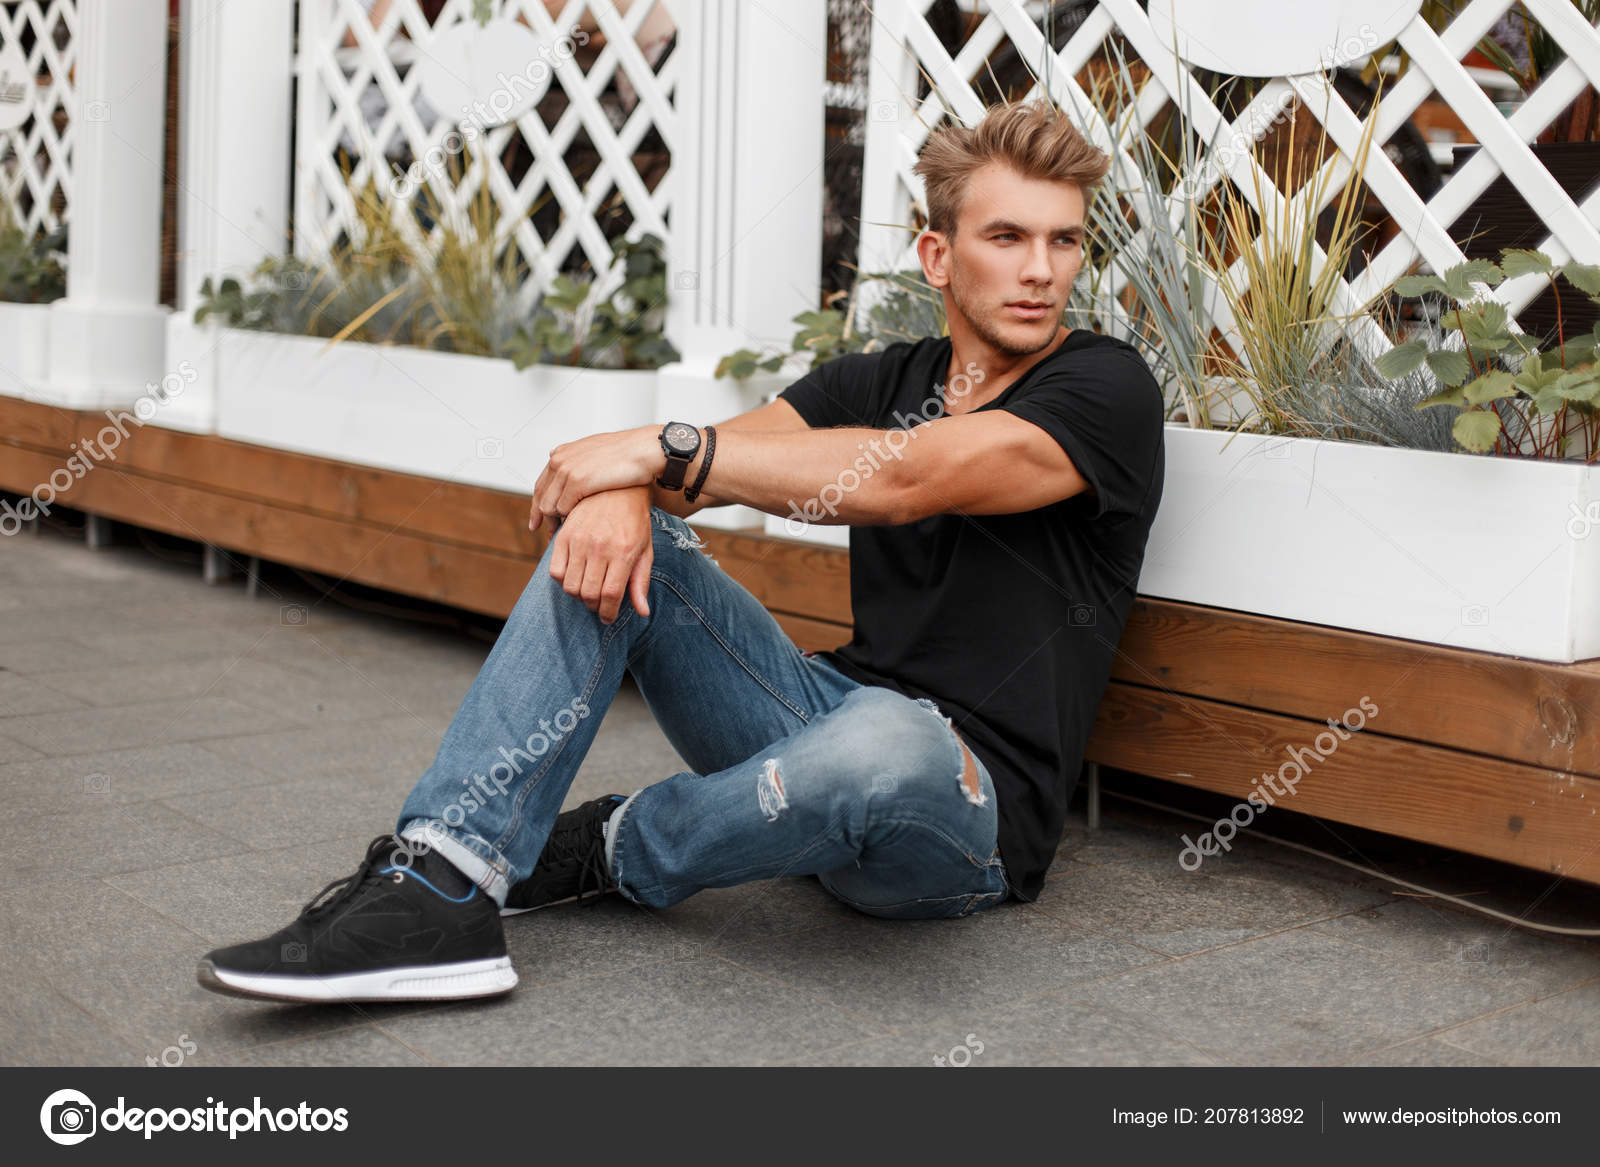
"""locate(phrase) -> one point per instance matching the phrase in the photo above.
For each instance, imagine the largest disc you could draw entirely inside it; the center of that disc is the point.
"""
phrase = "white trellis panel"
(905, 50)
(35, 157)
(329, 109)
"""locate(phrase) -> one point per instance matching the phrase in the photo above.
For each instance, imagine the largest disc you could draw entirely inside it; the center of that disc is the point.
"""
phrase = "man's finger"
(559, 556)
(639, 581)
(616, 582)
(594, 578)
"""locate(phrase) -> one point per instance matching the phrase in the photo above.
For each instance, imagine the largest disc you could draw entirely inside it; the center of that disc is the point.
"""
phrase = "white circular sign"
(17, 87)
(484, 75)
(1271, 38)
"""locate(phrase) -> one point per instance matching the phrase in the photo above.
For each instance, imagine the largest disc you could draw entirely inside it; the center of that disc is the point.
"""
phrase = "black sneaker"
(417, 932)
(572, 865)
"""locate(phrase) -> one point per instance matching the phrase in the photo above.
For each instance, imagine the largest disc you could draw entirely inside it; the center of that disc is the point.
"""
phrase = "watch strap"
(693, 492)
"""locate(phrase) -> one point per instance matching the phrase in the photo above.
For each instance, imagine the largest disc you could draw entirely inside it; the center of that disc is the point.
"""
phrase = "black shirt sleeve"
(835, 392)
(1106, 411)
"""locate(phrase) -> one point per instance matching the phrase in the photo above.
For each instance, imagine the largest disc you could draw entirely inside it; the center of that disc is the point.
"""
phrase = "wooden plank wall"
(1488, 754)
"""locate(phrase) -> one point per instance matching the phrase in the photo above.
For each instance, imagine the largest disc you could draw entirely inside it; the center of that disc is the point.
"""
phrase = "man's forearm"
(844, 475)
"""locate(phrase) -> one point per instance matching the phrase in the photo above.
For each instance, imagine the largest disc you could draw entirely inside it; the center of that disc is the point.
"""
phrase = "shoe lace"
(342, 890)
(583, 845)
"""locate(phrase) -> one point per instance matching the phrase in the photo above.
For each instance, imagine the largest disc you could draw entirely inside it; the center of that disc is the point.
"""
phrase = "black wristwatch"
(680, 442)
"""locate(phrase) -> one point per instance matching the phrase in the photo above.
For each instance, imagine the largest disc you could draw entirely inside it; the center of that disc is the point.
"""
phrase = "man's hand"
(600, 462)
(604, 549)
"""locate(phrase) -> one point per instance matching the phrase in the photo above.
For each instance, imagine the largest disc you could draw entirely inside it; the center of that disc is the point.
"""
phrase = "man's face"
(1018, 247)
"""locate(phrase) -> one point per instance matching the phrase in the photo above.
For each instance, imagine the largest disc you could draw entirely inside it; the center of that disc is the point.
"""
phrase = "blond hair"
(1034, 138)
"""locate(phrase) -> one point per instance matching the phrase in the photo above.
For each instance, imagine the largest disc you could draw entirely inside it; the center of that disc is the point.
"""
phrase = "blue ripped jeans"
(795, 769)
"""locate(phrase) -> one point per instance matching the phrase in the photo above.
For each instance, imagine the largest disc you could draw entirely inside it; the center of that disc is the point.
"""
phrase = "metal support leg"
(216, 567)
(96, 532)
(252, 577)
(1092, 774)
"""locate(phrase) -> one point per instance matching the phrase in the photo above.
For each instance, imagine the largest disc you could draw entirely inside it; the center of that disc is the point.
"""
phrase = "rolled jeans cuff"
(463, 853)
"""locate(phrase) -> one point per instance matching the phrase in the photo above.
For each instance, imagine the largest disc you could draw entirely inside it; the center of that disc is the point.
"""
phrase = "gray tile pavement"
(186, 766)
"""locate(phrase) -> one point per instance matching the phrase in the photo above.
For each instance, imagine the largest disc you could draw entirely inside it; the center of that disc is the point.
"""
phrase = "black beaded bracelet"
(693, 492)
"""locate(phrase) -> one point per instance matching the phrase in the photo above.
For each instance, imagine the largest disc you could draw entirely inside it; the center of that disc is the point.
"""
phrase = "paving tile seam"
(1426, 967)
(194, 822)
(1111, 1013)
(1295, 926)
(1381, 1050)
(366, 1021)
(526, 983)
(74, 704)
(110, 1027)
(134, 896)
(162, 867)
(761, 894)
(808, 994)
(1512, 1008)
(709, 949)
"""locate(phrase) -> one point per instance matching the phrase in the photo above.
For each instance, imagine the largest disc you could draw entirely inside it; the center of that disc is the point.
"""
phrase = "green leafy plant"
(460, 288)
(573, 325)
(31, 269)
(1514, 396)
(909, 310)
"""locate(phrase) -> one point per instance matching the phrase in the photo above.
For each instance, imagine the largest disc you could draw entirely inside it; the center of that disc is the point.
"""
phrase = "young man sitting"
(1000, 484)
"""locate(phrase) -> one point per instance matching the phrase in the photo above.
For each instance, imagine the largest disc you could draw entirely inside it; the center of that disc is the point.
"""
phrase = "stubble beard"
(985, 328)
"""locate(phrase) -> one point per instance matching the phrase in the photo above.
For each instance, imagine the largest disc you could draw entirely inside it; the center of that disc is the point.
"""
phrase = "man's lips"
(1028, 309)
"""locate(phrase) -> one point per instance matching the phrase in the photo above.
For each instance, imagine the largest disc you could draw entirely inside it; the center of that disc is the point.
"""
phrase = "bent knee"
(907, 745)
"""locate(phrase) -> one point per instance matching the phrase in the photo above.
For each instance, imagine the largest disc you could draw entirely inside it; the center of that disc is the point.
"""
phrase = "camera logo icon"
(1082, 615)
(293, 952)
(686, 281)
(490, 448)
(293, 615)
(68, 1117)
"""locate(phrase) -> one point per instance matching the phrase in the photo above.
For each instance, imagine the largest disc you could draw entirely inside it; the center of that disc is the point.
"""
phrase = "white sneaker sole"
(430, 982)
(557, 903)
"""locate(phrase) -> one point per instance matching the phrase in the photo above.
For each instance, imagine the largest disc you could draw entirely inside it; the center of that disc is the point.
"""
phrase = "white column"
(746, 242)
(237, 63)
(107, 335)
(747, 212)
(885, 203)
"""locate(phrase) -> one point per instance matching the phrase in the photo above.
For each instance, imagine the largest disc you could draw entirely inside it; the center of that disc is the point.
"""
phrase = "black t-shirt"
(1008, 622)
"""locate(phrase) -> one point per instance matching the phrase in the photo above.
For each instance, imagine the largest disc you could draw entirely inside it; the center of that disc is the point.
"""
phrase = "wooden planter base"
(1487, 754)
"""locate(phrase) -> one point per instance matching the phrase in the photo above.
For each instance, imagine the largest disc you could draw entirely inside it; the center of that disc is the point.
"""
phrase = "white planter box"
(24, 348)
(462, 418)
(1496, 554)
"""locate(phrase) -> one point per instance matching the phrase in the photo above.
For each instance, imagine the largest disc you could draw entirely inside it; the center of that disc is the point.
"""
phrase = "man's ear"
(933, 250)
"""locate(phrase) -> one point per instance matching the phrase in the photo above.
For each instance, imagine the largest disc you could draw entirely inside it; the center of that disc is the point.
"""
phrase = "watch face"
(681, 438)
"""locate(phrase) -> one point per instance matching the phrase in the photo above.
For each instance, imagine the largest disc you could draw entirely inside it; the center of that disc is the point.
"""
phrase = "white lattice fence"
(905, 50)
(596, 132)
(36, 157)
